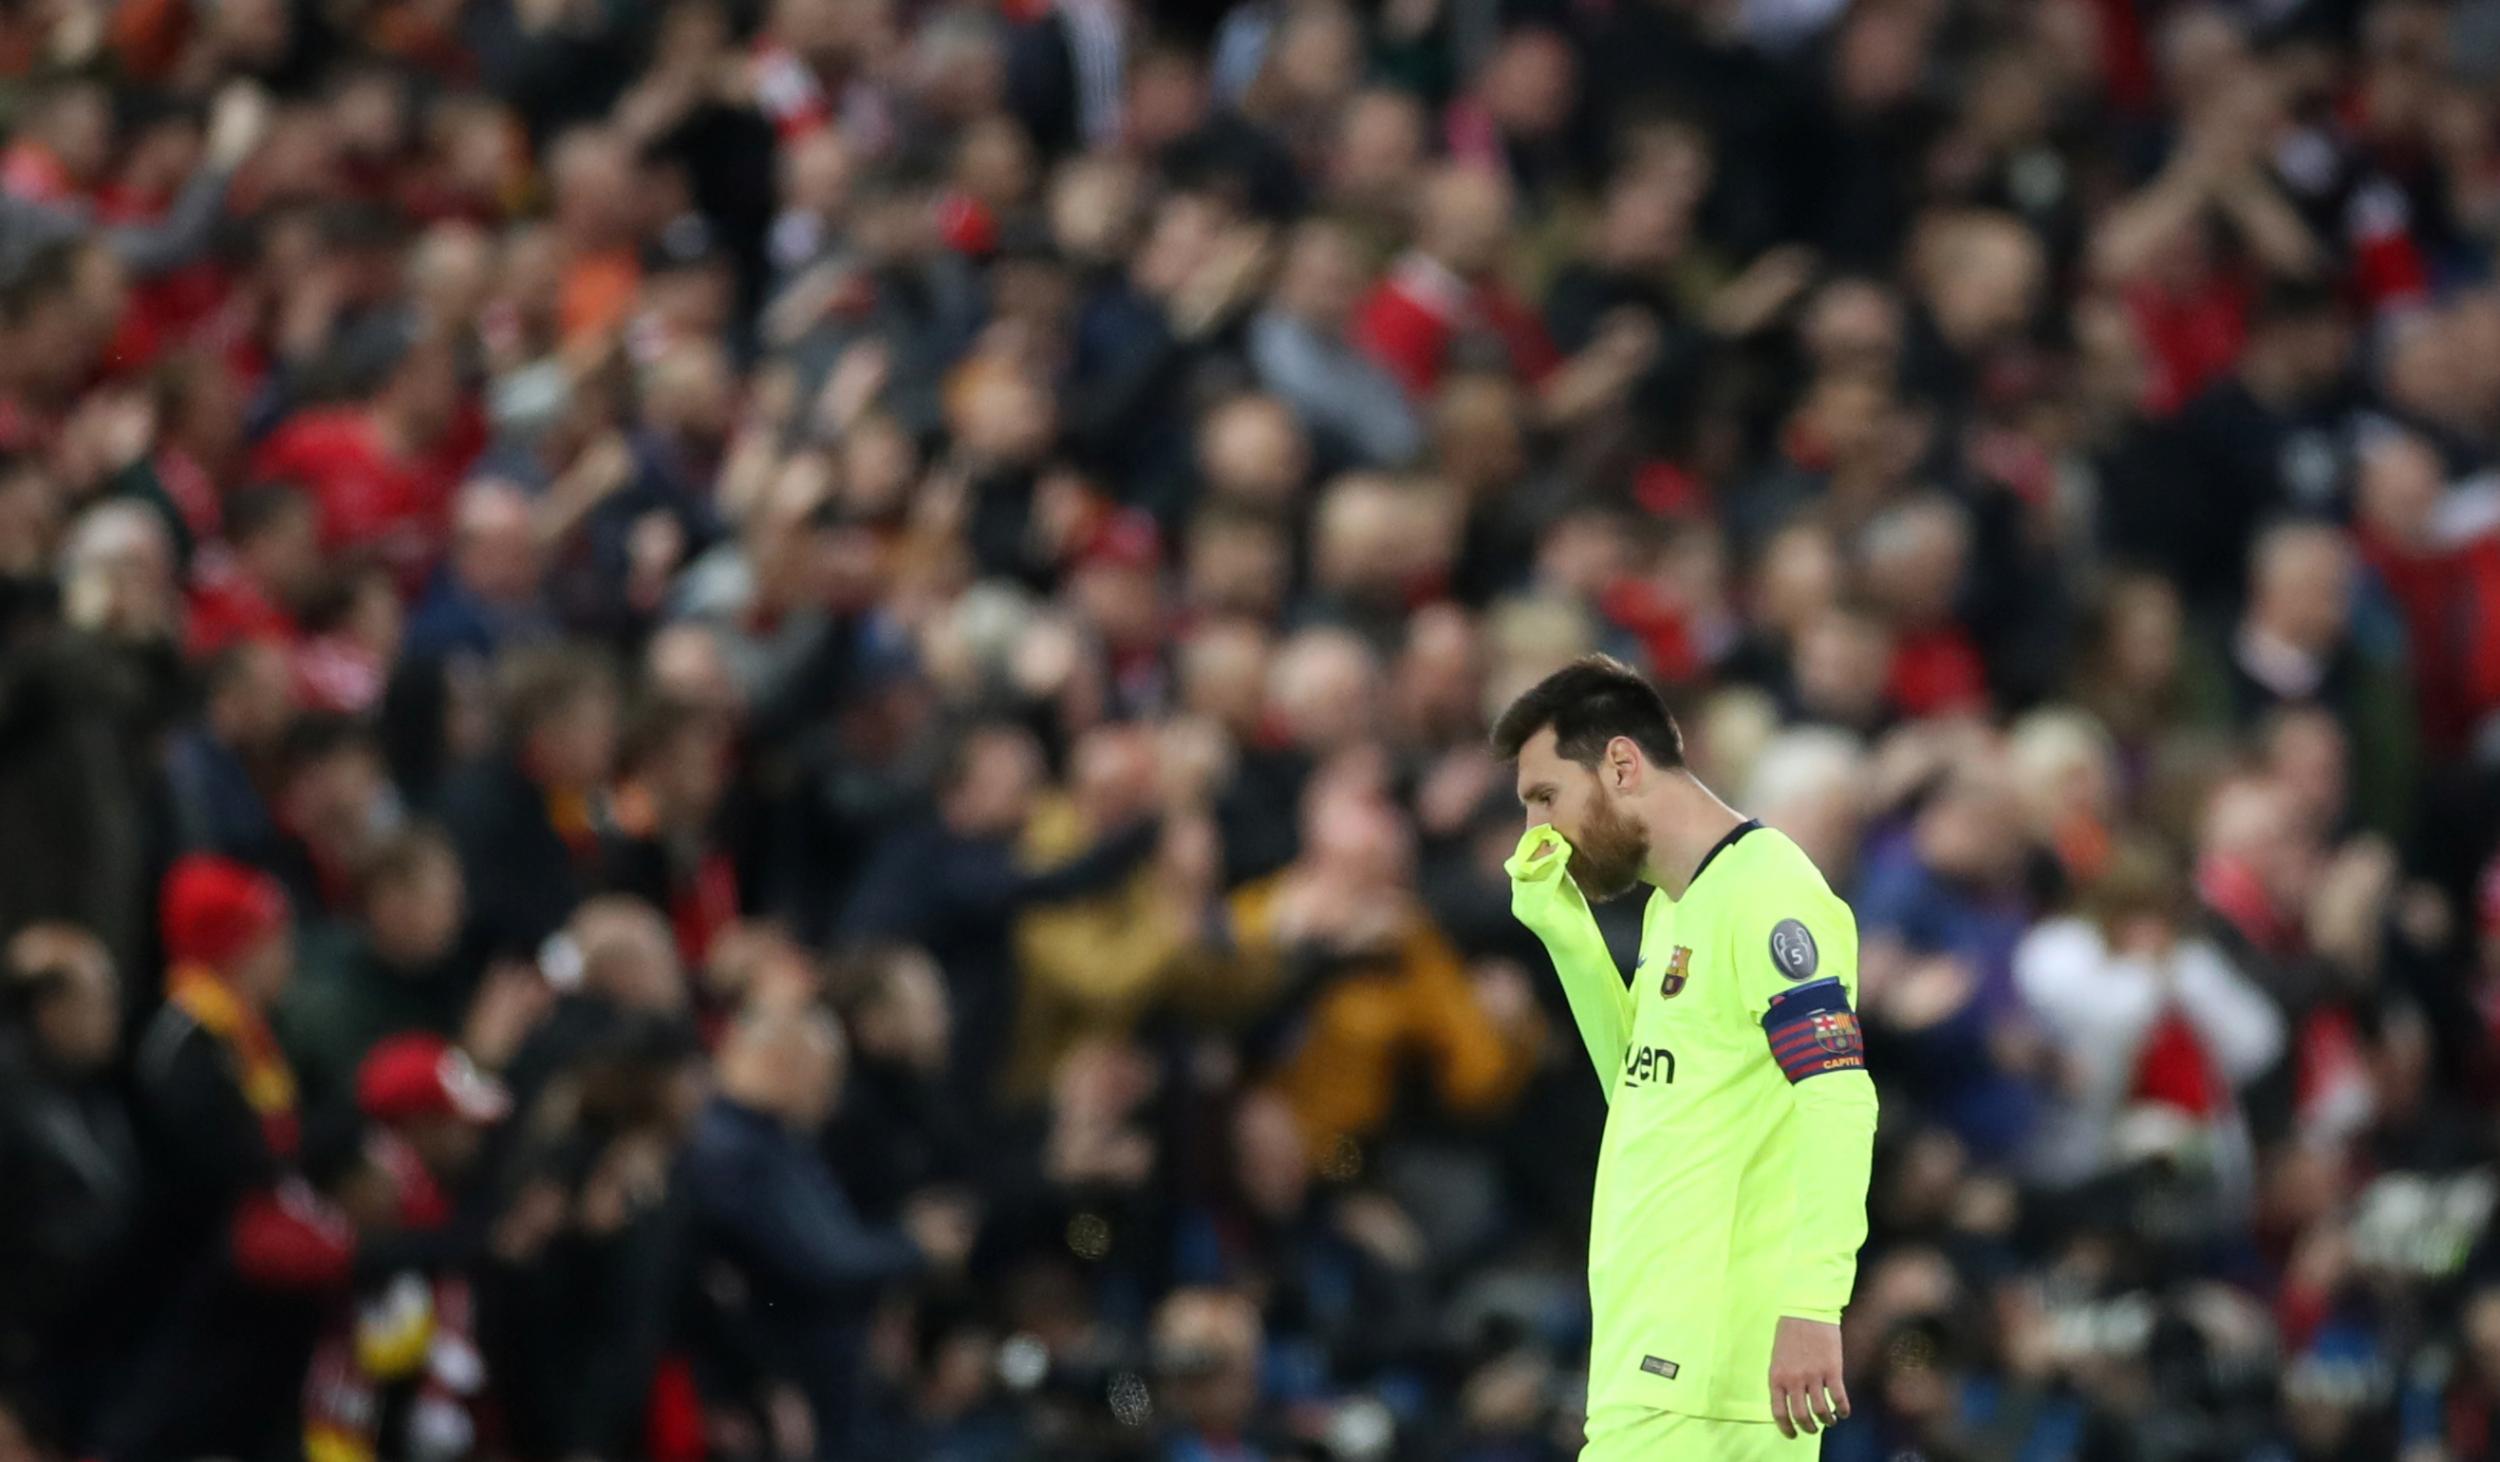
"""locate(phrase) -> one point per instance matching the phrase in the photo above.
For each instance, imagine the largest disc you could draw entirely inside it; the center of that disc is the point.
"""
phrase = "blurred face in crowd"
(688, 774)
(685, 664)
(252, 34)
(1324, 687)
(1238, 564)
(629, 957)
(1094, 202)
(1811, 784)
(284, 555)
(1915, 557)
(1647, 219)
(253, 703)
(1527, 85)
(2424, 370)
(1587, 805)
(2307, 753)
(1167, 99)
(575, 744)
(424, 392)
(1271, 1162)
(1478, 438)
(261, 974)
(691, 391)
(2257, 824)
(1853, 326)
(1318, 57)
(2061, 762)
(338, 801)
(2141, 642)
(1002, 415)
(1842, 661)
(415, 916)
(449, 1146)
(1380, 148)
(1224, 672)
(593, 175)
(994, 790)
(2401, 482)
(77, 1018)
(1882, 49)
(908, 1021)
(1254, 454)
(75, 126)
(994, 163)
(30, 516)
(1322, 279)
(1972, 829)
(2302, 588)
(117, 572)
(1360, 545)
(1206, 1345)
(1113, 774)
(1983, 277)
(833, 34)
(1467, 220)
(495, 543)
(1440, 676)
(1798, 578)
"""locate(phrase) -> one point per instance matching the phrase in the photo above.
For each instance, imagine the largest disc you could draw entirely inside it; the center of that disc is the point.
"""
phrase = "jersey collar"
(1749, 825)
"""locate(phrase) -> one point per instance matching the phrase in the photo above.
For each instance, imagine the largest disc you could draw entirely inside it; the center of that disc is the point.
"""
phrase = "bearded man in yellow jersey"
(1740, 1122)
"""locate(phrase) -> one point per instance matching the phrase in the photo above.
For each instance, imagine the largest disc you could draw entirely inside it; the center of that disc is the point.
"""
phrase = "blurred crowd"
(755, 728)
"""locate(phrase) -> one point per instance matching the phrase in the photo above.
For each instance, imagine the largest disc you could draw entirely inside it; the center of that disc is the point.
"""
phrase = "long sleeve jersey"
(1731, 1182)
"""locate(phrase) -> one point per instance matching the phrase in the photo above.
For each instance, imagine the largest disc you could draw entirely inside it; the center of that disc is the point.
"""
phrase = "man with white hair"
(1810, 783)
(487, 594)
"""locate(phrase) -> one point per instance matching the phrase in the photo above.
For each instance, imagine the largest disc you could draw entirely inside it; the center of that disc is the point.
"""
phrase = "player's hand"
(1807, 1393)
(1543, 894)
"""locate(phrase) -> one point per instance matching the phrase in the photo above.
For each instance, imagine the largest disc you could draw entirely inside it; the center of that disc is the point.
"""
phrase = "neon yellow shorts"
(1666, 1436)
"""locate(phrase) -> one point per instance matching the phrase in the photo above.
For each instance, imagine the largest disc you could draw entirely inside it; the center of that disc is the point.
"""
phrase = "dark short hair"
(541, 683)
(1589, 703)
(404, 856)
(255, 509)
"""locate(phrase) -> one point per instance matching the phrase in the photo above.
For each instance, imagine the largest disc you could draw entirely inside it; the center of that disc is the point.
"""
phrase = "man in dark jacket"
(528, 822)
(770, 1212)
(248, 1256)
(70, 1167)
(396, 969)
(954, 886)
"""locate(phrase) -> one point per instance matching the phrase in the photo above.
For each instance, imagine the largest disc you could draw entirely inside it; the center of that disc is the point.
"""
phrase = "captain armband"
(1812, 1030)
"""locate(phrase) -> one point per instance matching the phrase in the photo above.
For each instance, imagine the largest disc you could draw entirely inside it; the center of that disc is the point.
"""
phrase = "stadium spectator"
(244, 1252)
(74, 1160)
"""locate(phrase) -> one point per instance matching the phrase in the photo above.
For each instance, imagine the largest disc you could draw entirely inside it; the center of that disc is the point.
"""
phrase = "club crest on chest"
(1678, 970)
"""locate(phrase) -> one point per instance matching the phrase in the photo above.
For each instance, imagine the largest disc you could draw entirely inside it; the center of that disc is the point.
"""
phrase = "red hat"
(214, 910)
(417, 1075)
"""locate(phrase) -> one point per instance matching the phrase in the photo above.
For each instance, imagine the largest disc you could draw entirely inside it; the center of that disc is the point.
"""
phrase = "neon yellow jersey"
(1731, 1185)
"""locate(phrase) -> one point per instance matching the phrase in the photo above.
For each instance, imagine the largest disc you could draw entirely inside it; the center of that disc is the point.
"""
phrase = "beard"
(1606, 857)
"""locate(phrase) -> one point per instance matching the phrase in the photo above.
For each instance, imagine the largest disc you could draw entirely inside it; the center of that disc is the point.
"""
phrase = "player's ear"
(1623, 764)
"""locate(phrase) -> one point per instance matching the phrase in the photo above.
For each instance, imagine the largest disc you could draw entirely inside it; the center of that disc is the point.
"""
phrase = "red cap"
(215, 910)
(417, 1075)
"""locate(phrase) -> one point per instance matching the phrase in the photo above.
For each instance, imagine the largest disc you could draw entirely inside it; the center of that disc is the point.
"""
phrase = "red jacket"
(1412, 319)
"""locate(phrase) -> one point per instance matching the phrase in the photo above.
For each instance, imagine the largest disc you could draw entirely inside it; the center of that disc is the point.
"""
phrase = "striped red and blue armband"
(1812, 1030)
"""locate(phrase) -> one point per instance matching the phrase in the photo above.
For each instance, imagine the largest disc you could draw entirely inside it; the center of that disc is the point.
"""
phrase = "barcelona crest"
(1671, 984)
(1837, 1032)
